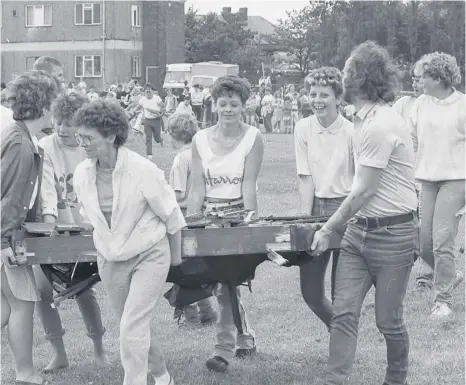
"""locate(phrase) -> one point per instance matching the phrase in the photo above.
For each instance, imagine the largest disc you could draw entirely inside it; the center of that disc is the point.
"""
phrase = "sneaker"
(459, 278)
(217, 364)
(441, 310)
(243, 353)
(149, 157)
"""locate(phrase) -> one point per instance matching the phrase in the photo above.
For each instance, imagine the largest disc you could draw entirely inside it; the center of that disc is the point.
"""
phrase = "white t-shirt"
(58, 197)
(184, 109)
(153, 104)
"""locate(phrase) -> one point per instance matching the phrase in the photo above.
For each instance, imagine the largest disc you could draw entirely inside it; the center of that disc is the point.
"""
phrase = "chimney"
(226, 10)
(243, 12)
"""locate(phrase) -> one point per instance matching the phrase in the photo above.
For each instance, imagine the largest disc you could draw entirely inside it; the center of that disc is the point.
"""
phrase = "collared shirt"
(438, 130)
(326, 154)
(383, 141)
(144, 207)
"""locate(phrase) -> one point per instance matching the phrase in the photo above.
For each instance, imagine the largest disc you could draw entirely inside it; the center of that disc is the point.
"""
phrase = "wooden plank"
(195, 243)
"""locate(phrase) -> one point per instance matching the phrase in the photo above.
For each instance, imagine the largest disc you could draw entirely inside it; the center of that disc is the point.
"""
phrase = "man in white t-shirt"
(152, 106)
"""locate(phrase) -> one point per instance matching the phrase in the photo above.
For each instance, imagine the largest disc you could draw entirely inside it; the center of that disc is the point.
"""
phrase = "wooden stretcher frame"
(72, 244)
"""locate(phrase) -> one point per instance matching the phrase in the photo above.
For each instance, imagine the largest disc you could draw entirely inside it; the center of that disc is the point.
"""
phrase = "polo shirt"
(383, 141)
(325, 154)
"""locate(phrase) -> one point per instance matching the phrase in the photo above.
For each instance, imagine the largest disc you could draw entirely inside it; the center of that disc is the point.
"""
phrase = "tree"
(297, 32)
(211, 37)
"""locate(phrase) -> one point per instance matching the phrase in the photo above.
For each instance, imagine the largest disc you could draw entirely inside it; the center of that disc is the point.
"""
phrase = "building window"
(30, 60)
(135, 16)
(38, 15)
(88, 66)
(136, 67)
(87, 14)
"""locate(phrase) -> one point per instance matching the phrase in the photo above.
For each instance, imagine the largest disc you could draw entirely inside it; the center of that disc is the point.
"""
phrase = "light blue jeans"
(50, 317)
(228, 337)
(382, 257)
(440, 201)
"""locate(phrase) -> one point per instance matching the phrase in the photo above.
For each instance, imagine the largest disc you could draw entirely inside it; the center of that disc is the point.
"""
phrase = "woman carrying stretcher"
(226, 159)
(324, 162)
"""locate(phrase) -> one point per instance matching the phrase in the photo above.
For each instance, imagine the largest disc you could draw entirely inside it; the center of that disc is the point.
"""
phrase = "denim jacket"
(21, 167)
(144, 206)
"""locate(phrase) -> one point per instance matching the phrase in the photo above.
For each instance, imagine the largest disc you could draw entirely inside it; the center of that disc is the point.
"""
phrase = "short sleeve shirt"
(325, 154)
(382, 140)
(180, 174)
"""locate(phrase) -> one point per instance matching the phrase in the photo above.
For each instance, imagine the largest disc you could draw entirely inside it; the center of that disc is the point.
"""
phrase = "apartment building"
(105, 42)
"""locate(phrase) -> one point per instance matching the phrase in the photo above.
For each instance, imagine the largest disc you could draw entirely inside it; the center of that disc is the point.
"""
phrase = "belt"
(375, 222)
(221, 205)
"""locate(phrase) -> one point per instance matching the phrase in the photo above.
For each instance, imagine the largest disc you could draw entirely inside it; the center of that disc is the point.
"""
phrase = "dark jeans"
(312, 273)
(382, 257)
(152, 128)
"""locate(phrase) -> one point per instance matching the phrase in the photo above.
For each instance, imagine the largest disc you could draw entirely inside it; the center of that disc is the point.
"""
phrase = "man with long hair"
(381, 241)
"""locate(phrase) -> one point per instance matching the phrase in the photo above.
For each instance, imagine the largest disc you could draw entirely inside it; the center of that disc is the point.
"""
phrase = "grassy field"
(292, 342)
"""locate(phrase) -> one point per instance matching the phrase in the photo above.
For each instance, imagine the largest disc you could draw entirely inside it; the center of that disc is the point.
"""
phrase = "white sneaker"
(149, 157)
(441, 310)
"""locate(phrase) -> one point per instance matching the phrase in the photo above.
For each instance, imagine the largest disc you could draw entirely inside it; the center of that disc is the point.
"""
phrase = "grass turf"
(292, 342)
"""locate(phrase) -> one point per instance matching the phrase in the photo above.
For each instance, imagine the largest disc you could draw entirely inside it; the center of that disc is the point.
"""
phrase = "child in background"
(287, 119)
(182, 128)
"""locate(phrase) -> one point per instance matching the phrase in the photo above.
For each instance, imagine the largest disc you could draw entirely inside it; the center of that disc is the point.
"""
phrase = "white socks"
(164, 379)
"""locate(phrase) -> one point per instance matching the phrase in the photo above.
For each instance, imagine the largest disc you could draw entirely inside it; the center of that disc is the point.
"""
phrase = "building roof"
(256, 24)
(260, 25)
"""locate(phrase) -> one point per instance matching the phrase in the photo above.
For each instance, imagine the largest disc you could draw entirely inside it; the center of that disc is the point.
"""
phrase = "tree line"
(324, 33)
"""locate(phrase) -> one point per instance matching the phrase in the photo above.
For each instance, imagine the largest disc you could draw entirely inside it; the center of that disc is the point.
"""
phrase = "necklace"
(227, 142)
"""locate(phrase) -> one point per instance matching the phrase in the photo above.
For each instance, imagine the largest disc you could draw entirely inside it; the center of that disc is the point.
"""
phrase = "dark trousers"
(382, 257)
(152, 129)
(312, 273)
(197, 109)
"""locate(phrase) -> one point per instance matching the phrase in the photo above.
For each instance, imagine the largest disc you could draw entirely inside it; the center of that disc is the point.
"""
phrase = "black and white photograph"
(232, 192)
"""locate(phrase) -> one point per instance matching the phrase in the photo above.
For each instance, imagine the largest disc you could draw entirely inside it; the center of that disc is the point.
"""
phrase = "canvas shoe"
(441, 310)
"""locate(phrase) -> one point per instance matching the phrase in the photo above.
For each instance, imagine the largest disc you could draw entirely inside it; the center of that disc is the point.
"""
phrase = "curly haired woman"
(325, 167)
(137, 232)
(438, 127)
(32, 94)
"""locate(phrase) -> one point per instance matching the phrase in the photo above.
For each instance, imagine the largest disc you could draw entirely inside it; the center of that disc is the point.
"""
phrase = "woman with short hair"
(21, 166)
(137, 232)
(325, 167)
(229, 153)
(438, 123)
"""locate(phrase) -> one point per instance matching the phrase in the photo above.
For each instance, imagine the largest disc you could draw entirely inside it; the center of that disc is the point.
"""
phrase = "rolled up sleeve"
(162, 200)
